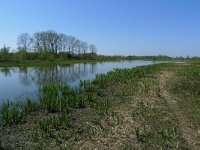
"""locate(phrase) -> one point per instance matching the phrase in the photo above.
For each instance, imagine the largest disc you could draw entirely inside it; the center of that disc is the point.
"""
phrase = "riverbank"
(150, 107)
(47, 62)
(99, 58)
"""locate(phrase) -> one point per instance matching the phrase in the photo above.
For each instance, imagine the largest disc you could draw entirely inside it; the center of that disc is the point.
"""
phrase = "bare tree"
(24, 41)
(84, 47)
(36, 41)
(92, 49)
(79, 48)
(40, 42)
(47, 41)
(52, 40)
(43, 40)
(62, 42)
(72, 44)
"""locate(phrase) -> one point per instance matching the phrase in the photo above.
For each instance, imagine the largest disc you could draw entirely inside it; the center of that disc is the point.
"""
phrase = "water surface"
(23, 82)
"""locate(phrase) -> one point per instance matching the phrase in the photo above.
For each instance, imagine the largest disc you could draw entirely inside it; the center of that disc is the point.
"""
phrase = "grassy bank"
(53, 62)
(97, 58)
(44, 63)
(147, 107)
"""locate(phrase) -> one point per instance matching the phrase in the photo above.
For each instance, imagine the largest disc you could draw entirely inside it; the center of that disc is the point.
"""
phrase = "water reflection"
(17, 81)
(52, 74)
(5, 71)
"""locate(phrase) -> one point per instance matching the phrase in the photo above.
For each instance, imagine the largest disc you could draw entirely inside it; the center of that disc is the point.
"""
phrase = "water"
(23, 82)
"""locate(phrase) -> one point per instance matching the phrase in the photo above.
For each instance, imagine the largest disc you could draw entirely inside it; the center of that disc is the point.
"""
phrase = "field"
(147, 107)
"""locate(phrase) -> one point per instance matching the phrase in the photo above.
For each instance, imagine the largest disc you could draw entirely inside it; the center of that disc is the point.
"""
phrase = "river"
(23, 82)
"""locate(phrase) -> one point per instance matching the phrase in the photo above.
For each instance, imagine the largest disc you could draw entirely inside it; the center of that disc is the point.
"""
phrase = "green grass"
(155, 131)
(187, 92)
(11, 112)
(98, 58)
(42, 63)
(54, 99)
(54, 122)
(59, 61)
(64, 117)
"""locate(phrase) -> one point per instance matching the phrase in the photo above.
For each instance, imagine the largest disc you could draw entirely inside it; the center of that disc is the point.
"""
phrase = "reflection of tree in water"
(6, 71)
(93, 68)
(23, 76)
(55, 74)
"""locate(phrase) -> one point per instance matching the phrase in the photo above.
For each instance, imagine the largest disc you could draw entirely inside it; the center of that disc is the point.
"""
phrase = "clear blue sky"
(125, 27)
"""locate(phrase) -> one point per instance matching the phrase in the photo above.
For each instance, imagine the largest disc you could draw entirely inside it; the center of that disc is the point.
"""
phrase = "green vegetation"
(186, 92)
(47, 46)
(50, 47)
(56, 60)
(23, 58)
(11, 113)
(147, 107)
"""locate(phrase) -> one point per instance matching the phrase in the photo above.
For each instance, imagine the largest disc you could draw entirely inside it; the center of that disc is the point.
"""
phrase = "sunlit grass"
(61, 107)
(186, 88)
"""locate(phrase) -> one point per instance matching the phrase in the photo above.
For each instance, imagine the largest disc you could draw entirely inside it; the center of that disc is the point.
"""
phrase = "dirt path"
(188, 134)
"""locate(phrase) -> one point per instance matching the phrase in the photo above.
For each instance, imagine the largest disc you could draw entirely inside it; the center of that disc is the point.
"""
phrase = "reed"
(54, 122)
(59, 98)
(11, 112)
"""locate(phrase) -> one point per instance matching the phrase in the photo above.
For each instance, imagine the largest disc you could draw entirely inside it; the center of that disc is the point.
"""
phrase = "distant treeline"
(47, 45)
(52, 46)
(164, 58)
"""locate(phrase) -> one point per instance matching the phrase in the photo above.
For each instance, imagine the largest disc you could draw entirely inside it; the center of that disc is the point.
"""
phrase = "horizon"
(129, 27)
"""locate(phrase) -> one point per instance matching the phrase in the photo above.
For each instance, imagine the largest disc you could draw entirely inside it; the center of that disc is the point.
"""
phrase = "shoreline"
(135, 102)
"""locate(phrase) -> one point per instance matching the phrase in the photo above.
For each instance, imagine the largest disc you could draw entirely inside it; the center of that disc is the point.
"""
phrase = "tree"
(4, 50)
(49, 43)
(72, 44)
(52, 41)
(79, 48)
(92, 49)
(62, 42)
(4, 53)
(24, 41)
(82, 48)
(85, 48)
(37, 42)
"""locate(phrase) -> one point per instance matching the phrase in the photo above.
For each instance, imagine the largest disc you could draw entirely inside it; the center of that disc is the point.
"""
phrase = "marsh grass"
(154, 131)
(11, 112)
(68, 116)
(186, 89)
(54, 99)
(54, 122)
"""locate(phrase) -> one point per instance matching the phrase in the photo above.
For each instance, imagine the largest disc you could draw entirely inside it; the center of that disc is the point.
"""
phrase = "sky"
(116, 27)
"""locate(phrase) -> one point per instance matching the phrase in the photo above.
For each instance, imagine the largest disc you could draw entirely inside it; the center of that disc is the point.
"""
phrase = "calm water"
(22, 82)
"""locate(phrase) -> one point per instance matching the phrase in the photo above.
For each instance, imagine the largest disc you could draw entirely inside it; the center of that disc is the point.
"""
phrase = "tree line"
(48, 45)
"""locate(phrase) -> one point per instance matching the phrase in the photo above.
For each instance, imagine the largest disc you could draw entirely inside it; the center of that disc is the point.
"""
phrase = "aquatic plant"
(54, 122)
(11, 112)
(30, 106)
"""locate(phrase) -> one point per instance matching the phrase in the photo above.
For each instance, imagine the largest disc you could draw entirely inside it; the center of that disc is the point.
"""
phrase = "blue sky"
(116, 27)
